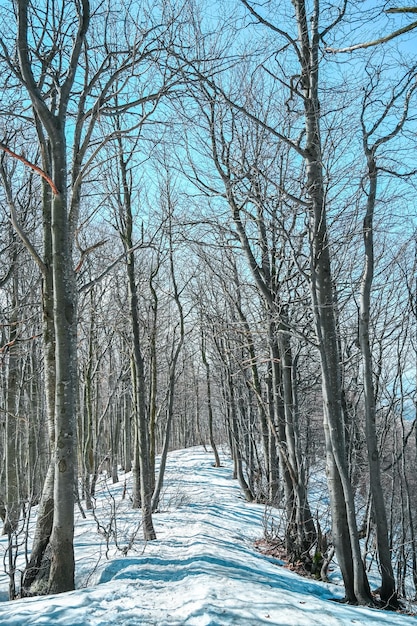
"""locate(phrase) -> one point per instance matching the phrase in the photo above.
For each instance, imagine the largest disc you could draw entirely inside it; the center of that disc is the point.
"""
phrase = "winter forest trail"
(203, 570)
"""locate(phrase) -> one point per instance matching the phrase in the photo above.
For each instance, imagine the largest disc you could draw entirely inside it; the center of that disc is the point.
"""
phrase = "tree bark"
(12, 478)
(387, 590)
(209, 402)
(61, 577)
(142, 465)
(44, 519)
(341, 493)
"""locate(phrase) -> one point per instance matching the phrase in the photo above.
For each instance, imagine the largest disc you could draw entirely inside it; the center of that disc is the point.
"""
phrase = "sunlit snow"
(203, 570)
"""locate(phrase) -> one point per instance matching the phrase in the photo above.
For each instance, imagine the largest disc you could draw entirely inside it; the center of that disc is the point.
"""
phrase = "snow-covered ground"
(203, 570)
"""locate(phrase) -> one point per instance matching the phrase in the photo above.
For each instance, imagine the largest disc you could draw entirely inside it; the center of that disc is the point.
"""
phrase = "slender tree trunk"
(279, 430)
(273, 467)
(37, 563)
(387, 589)
(165, 448)
(262, 411)
(175, 353)
(12, 513)
(153, 379)
(127, 434)
(136, 495)
(141, 466)
(86, 437)
(236, 443)
(305, 532)
(209, 403)
(11, 431)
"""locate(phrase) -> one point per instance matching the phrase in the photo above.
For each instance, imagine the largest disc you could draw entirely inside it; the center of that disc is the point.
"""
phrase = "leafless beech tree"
(62, 80)
(372, 144)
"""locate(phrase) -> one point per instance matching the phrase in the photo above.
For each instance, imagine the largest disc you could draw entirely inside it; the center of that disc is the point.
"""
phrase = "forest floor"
(203, 569)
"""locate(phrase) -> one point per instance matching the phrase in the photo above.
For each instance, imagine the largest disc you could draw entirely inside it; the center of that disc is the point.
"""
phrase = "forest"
(209, 237)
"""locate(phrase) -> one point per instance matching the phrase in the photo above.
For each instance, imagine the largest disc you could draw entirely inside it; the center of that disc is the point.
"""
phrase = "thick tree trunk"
(50, 118)
(341, 493)
(65, 321)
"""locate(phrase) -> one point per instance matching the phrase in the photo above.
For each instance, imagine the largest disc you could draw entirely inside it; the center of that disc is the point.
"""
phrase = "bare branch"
(274, 28)
(375, 42)
(34, 167)
(87, 251)
(16, 224)
(402, 10)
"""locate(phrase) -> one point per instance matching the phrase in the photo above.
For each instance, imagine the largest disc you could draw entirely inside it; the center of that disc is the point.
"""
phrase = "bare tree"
(50, 121)
(177, 332)
(371, 144)
(142, 495)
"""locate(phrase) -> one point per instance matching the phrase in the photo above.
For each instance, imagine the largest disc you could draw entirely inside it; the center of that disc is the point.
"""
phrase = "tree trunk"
(127, 434)
(175, 353)
(11, 431)
(65, 321)
(387, 590)
(209, 402)
(37, 565)
(50, 123)
(141, 467)
(153, 383)
(341, 493)
(236, 444)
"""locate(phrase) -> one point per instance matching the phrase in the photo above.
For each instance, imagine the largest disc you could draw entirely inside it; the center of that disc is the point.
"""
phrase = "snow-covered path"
(202, 571)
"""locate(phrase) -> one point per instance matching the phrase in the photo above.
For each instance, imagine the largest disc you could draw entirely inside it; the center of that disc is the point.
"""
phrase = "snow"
(203, 569)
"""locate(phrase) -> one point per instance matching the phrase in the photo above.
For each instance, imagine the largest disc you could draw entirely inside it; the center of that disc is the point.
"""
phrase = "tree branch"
(375, 42)
(16, 225)
(34, 167)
